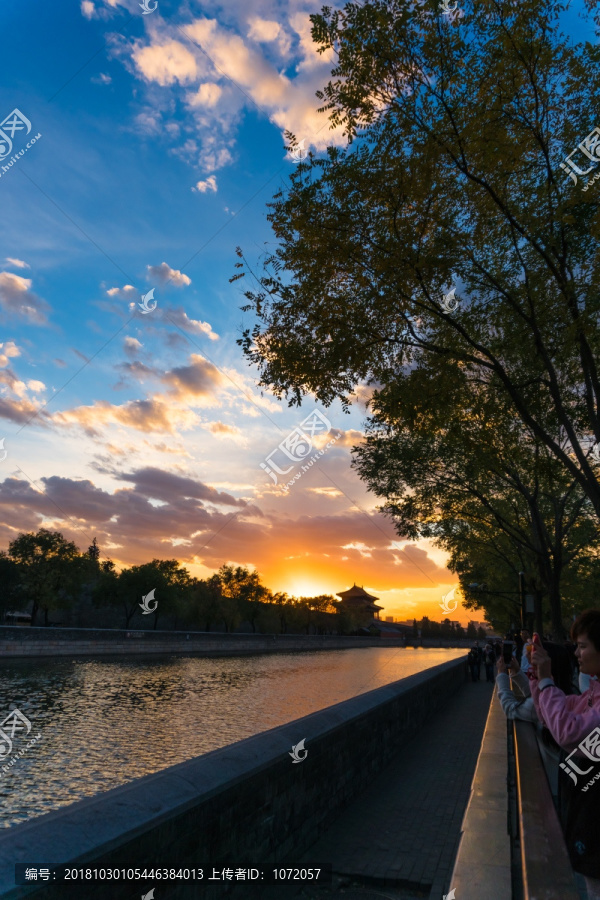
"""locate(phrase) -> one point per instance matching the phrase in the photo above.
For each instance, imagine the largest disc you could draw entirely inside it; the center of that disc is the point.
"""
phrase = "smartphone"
(507, 651)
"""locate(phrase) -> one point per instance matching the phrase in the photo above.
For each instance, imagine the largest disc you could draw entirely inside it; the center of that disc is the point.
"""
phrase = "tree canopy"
(454, 463)
(452, 180)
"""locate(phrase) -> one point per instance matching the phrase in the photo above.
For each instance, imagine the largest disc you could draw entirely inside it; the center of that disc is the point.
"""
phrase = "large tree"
(453, 463)
(241, 588)
(50, 569)
(127, 588)
(452, 178)
(12, 595)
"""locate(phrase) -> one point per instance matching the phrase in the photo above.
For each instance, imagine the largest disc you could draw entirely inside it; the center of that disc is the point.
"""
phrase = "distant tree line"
(447, 630)
(45, 574)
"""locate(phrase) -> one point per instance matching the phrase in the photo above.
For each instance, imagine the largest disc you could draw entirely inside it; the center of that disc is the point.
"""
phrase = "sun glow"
(304, 587)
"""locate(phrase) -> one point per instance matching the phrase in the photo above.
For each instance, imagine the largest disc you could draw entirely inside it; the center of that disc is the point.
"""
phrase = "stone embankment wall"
(245, 805)
(26, 641)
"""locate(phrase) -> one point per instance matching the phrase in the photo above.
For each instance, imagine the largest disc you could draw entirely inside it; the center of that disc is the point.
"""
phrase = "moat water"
(105, 721)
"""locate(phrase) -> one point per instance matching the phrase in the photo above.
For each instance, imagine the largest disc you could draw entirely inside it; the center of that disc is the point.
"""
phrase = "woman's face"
(588, 656)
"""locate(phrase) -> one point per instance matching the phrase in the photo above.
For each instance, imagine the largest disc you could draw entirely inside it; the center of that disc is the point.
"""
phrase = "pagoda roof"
(357, 592)
(355, 596)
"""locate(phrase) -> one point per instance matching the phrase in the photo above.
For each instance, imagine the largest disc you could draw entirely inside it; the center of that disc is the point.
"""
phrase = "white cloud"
(8, 350)
(18, 300)
(90, 11)
(166, 63)
(123, 293)
(164, 274)
(262, 58)
(149, 121)
(209, 185)
(193, 326)
(208, 94)
(131, 346)
(17, 263)
(302, 25)
(102, 78)
(268, 31)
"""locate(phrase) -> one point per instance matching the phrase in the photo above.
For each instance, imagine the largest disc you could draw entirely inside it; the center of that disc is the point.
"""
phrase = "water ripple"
(105, 722)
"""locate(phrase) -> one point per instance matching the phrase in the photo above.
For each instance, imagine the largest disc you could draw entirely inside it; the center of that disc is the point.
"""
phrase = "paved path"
(399, 838)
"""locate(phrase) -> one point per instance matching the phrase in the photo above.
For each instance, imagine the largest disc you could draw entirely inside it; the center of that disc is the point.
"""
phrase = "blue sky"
(161, 144)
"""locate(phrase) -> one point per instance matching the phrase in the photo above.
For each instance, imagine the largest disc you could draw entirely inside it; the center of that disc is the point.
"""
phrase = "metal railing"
(544, 862)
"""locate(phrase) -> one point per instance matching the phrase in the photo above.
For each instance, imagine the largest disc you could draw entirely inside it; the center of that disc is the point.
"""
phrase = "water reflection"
(106, 721)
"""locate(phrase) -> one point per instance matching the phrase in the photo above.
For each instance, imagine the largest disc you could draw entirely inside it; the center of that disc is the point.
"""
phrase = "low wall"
(247, 804)
(483, 865)
(18, 640)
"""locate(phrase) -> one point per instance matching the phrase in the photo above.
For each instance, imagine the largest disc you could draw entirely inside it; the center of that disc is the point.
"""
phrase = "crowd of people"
(555, 686)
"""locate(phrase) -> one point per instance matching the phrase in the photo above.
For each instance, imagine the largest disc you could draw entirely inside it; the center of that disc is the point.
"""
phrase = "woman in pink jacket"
(574, 723)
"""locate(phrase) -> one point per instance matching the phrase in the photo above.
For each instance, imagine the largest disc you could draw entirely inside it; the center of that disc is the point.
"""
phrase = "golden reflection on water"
(106, 721)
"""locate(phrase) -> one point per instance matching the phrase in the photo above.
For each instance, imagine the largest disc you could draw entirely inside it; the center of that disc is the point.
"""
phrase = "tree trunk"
(538, 617)
(558, 629)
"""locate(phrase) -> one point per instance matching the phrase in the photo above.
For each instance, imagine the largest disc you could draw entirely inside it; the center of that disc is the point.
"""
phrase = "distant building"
(389, 618)
(357, 600)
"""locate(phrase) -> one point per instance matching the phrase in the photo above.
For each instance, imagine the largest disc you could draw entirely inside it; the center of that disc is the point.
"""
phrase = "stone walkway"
(399, 838)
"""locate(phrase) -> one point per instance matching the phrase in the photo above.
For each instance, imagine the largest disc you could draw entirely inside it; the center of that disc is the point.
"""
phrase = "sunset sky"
(161, 144)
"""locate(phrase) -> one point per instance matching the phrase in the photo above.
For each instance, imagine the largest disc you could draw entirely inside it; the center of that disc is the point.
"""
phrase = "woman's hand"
(541, 661)
(514, 666)
(500, 666)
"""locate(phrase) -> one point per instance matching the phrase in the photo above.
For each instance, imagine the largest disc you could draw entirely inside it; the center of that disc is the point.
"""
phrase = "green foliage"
(50, 570)
(452, 178)
(454, 464)
(12, 596)
(126, 589)
(199, 606)
(242, 595)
